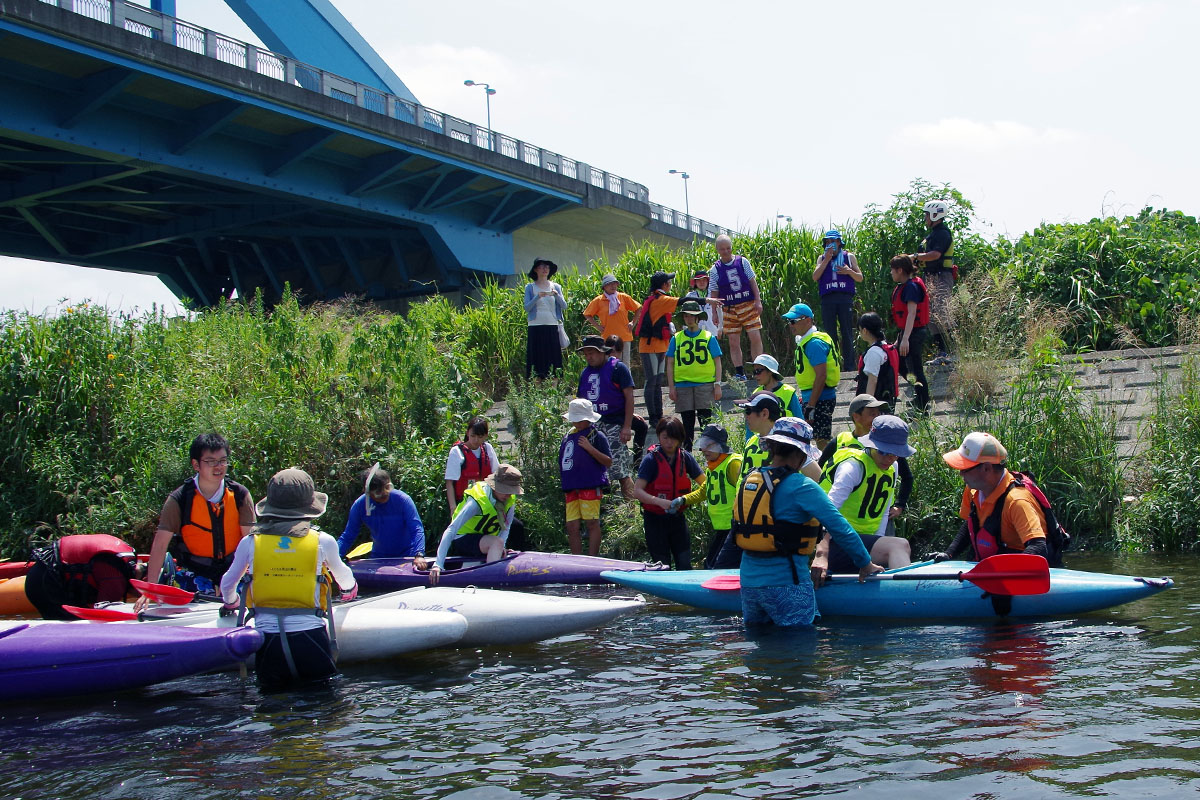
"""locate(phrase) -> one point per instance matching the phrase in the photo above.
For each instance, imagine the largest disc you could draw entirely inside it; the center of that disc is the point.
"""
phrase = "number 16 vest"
(864, 507)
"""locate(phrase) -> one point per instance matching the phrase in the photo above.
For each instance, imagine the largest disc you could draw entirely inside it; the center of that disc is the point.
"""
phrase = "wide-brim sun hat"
(692, 307)
(607, 279)
(291, 494)
(581, 410)
(546, 261)
(505, 480)
(593, 343)
(978, 448)
(888, 434)
(792, 431)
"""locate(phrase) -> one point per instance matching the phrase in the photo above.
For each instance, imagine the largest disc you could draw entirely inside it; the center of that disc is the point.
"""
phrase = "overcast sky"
(1036, 111)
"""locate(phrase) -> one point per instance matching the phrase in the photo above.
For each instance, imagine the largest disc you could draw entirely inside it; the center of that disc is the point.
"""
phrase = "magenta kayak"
(60, 659)
(518, 569)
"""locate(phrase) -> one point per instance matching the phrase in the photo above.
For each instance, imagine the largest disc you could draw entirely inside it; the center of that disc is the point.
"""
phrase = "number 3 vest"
(864, 507)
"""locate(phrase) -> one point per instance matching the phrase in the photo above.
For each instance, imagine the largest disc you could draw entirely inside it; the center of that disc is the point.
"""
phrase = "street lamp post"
(784, 217)
(685, 177)
(488, 92)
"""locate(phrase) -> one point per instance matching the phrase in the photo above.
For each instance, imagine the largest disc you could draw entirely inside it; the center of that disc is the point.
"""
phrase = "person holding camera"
(836, 274)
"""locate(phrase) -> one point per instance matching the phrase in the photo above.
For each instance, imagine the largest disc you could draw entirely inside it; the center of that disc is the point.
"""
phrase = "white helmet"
(937, 209)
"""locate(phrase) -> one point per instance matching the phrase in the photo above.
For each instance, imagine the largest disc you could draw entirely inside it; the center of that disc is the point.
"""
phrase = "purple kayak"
(515, 570)
(60, 659)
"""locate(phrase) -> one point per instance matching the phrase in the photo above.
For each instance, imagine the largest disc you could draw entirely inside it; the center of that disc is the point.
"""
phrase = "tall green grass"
(1162, 514)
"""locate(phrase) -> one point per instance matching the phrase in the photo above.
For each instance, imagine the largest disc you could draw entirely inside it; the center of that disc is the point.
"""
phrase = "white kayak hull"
(363, 634)
(498, 617)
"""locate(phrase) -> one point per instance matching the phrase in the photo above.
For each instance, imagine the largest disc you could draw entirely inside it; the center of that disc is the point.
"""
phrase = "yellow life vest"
(721, 492)
(286, 570)
(754, 456)
(693, 361)
(847, 439)
(865, 505)
(806, 376)
(785, 394)
(754, 525)
(487, 521)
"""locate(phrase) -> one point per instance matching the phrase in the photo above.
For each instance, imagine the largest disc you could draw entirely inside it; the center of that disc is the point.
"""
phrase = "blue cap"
(832, 233)
(888, 434)
(797, 311)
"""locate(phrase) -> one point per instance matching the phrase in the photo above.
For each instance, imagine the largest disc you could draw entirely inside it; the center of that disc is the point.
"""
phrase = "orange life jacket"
(210, 531)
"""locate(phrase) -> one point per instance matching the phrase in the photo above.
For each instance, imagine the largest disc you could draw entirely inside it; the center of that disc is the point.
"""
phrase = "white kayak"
(363, 633)
(499, 617)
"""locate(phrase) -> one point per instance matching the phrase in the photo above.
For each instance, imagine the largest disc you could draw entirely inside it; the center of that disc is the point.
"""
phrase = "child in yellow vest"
(693, 370)
(719, 490)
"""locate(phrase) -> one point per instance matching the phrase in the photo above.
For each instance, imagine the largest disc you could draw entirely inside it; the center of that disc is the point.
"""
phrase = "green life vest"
(864, 507)
(693, 361)
(806, 376)
(754, 456)
(721, 492)
(487, 521)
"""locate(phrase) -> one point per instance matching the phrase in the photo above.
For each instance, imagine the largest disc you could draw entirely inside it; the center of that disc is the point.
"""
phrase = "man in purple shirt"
(732, 279)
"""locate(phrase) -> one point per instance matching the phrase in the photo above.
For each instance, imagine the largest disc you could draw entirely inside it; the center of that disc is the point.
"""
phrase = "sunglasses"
(759, 370)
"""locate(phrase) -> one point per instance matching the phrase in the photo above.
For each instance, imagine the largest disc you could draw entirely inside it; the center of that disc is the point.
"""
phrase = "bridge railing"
(156, 25)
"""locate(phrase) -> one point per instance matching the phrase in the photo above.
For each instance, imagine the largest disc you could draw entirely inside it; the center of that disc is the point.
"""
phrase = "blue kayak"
(1071, 592)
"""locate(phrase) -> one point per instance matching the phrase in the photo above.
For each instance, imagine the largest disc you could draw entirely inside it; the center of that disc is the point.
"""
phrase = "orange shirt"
(614, 324)
(661, 305)
(1022, 518)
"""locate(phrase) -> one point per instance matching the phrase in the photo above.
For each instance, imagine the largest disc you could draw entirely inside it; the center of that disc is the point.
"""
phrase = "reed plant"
(1049, 429)
(1161, 514)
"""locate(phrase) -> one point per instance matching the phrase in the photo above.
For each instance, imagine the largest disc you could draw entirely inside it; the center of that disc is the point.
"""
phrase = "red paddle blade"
(161, 593)
(100, 614)
(727, 583)
(1011, 574)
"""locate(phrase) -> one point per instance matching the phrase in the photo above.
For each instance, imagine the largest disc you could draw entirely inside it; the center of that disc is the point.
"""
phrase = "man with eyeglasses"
(201, 522)
(391, 517)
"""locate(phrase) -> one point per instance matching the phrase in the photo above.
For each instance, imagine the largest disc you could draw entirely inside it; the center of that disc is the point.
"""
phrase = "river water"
(671, 703)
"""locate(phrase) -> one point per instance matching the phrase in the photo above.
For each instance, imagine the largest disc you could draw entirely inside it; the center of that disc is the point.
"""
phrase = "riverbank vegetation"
(97, 409)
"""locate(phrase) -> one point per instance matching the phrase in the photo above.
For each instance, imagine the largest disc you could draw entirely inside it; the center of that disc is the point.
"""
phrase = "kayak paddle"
(1011, 574)
(100, 614)
(170, 595)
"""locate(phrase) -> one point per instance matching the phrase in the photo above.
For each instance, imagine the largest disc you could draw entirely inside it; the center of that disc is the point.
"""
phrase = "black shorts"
(467, 546)
(310, 652)
(839, 560)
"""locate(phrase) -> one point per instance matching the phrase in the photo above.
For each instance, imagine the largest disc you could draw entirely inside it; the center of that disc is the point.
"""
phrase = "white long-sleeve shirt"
(846, 478)
(302, 620)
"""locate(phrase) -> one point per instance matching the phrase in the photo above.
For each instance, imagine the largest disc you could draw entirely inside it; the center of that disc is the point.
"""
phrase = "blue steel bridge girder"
(309, 266)
(95, 91)
(205, 122)
(377, 170)
(208, 188)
